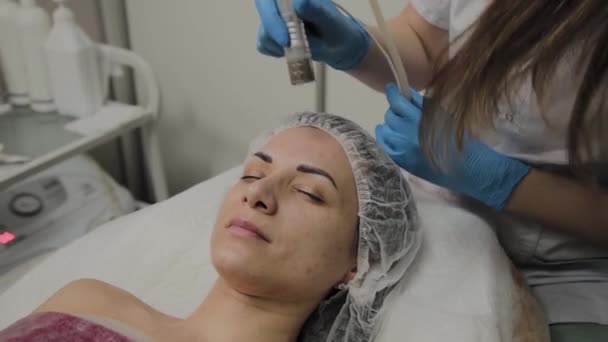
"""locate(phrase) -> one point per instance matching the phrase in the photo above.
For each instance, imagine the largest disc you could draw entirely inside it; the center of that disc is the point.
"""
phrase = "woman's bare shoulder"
(89, 296)
(97, 298)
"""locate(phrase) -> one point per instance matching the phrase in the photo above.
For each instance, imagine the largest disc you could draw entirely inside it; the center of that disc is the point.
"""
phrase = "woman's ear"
(350, 275)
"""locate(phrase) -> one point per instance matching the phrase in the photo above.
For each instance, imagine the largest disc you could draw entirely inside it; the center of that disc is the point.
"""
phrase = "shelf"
(49, 138)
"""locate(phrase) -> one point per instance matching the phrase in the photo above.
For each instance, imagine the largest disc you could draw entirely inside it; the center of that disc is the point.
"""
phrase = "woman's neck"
(227, 315)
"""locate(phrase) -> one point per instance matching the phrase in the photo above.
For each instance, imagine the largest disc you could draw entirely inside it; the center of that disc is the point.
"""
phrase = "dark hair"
(511, 41)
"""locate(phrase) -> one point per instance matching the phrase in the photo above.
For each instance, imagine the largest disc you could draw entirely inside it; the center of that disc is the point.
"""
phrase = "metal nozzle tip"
(301, 71)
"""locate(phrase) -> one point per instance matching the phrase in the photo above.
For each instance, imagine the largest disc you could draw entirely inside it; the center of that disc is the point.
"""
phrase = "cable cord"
(392, 55)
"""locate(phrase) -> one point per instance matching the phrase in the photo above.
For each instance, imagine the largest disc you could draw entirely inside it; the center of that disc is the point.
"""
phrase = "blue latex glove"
(477, 171)
(334, 38)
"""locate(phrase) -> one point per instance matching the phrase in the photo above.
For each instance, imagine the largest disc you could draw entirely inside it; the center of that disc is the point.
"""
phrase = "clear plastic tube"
(392, 55)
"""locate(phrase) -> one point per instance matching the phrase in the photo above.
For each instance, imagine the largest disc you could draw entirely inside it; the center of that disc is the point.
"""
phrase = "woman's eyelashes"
(252, 174)
(318, 199)
(311, 196)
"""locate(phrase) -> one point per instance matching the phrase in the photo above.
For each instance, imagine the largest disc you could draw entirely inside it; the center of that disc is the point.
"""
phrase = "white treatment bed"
(461, 288)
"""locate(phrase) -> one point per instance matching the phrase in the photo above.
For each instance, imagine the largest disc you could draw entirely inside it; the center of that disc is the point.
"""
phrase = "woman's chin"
(237, 266)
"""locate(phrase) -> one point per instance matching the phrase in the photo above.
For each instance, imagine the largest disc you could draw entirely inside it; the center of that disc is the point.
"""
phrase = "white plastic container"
(11, 54)
(34, 27)
(74, 66)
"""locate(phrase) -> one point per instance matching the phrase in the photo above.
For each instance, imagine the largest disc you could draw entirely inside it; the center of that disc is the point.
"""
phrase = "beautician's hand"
(477, 171)
(334, 39)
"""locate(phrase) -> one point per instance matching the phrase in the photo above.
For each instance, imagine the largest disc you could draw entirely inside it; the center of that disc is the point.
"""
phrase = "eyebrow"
(301, 168)
(315, 170)
(265, 157)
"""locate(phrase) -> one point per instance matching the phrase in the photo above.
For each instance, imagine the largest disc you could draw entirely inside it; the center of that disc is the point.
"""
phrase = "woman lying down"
(309, 245)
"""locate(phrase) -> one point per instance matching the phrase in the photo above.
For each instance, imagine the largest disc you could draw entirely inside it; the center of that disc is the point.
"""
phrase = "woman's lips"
(246, 228)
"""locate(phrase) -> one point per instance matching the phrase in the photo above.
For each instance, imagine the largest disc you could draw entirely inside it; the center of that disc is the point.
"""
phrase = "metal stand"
(113, 56)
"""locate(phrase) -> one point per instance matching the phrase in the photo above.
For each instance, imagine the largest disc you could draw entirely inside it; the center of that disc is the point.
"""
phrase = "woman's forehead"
(311, 146)
(306, 142)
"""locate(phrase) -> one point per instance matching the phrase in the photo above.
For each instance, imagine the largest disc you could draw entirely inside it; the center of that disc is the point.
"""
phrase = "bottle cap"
(63, 13)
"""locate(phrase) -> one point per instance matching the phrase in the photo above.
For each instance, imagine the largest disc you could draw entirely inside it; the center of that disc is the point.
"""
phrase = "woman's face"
(288, 228)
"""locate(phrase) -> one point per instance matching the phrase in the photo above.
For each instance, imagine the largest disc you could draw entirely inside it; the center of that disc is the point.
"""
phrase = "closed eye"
(246, 177)
(313, 197)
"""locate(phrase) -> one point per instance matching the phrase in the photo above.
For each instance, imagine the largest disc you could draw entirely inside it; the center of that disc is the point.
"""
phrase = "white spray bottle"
(11, 54)
(74, 66)
(34, 26)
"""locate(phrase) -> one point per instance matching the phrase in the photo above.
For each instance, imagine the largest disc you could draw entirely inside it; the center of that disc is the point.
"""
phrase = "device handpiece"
(297, 55)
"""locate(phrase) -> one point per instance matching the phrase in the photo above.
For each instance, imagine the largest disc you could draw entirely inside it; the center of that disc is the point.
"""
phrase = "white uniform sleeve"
(436, 12)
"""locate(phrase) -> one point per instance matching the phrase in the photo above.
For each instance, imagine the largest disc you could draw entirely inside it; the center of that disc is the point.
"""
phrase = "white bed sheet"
(460, 288)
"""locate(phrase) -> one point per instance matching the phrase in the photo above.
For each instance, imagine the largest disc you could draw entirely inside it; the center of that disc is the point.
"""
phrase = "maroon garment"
(52, 326)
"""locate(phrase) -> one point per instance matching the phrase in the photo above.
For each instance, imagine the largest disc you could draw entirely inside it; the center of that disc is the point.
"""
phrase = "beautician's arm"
(562, 202)
(420, 45)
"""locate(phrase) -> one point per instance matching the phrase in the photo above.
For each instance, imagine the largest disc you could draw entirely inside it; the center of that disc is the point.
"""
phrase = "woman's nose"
(260, 196)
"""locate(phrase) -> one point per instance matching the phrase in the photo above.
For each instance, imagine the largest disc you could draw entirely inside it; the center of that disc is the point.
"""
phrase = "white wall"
(218, 92)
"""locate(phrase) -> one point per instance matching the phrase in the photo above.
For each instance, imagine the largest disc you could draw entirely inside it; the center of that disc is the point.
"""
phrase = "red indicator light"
(6, 238)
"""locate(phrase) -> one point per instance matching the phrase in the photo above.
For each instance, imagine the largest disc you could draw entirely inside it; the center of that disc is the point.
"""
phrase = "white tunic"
(521, 130)
(568, 275)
